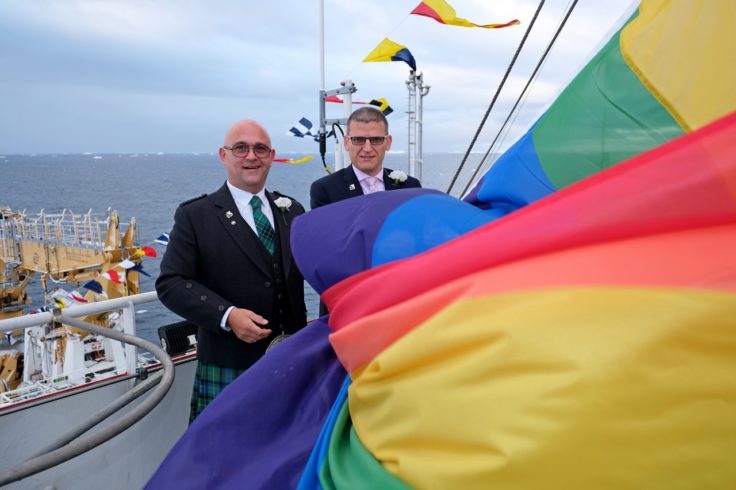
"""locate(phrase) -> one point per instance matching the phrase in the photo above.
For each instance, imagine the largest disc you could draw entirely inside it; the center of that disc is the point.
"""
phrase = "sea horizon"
(6, 155)
(149, 187)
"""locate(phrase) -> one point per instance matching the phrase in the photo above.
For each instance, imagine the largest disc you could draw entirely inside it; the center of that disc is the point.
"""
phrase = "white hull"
(125, 462)
(40, 414)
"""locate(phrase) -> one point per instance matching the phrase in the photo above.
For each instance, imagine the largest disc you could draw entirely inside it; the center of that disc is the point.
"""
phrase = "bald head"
(247, 155)
(246, 126)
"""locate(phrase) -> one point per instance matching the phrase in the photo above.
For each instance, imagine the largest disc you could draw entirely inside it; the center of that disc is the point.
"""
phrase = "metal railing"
(71, 444)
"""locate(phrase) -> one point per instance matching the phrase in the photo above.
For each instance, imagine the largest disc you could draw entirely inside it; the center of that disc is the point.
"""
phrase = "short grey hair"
(367, 114)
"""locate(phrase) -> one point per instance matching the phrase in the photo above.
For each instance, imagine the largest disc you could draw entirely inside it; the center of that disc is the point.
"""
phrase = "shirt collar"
(245, 196)
(362, 175)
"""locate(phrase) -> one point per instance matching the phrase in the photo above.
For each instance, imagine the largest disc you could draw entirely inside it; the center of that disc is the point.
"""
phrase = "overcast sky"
(110, 76)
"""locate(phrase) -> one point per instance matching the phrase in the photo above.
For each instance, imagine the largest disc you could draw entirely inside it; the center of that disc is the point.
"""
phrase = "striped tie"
(263, 227)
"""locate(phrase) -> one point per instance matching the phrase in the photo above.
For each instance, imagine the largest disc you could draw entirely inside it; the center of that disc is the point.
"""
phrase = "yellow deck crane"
(63, 248)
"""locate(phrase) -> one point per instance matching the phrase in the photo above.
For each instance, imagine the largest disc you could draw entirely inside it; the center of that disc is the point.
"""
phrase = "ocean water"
(149, 187)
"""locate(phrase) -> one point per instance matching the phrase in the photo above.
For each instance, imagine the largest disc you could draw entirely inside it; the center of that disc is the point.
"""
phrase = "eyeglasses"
(360, 140)
(241, 150)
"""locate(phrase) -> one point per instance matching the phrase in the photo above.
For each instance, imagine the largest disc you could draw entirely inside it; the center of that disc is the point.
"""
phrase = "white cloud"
(134, 22)
(167, 75)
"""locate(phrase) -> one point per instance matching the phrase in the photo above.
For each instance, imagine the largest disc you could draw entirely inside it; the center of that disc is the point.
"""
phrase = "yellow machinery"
(64, 249)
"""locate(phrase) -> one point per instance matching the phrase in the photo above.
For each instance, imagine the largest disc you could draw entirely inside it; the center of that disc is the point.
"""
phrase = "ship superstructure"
(66, 250)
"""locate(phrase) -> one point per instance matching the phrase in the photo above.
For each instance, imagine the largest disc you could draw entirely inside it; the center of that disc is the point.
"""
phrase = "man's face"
(368, 158)
(247, 172)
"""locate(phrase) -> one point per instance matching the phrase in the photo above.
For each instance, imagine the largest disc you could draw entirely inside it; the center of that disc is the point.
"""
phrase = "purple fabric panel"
(333, 242)
(259, 432)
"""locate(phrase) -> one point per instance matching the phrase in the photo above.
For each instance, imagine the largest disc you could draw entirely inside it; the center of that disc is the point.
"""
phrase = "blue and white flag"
(127, 264)
(163, 239)
(304, 129)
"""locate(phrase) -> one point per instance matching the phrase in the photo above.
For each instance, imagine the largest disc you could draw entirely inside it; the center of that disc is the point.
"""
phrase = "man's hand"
(246, 325)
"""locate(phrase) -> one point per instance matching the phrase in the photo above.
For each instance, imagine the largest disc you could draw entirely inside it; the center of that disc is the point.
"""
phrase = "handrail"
(77, 311)
(68, 451)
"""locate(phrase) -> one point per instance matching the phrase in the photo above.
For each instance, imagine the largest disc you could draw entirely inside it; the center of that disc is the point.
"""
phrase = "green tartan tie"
(263, 227)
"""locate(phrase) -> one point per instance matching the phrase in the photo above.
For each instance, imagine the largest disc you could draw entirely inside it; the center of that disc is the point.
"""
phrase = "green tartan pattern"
(264, 230)
(209, 381)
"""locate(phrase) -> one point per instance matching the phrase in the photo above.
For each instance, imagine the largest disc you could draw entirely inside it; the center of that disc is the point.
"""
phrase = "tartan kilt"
(209, 381)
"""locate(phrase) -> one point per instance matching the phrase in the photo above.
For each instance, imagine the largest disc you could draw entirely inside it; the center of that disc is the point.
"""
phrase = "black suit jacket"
(344, 184)
(214, 260)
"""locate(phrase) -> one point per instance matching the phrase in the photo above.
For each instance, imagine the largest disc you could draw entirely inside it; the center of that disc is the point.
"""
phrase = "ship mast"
(415, 108)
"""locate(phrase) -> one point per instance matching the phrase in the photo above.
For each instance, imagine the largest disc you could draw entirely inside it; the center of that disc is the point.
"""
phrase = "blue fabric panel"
(514, 180)
(423, 223)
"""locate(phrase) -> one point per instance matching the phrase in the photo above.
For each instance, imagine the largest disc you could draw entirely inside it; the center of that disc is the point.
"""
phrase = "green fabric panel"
(349, 465)
(605, 116)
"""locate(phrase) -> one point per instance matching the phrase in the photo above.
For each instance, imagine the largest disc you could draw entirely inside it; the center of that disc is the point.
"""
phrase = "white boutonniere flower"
(397, 176)
(283, 203)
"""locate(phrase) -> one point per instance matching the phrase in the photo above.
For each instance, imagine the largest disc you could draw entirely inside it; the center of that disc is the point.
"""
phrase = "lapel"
(238, 229)
(282, 223)
(349, 178)
(389, 184)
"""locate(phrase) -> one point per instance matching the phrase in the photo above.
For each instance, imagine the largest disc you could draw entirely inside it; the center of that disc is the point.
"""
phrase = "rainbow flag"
(668, 71)
(588, 340)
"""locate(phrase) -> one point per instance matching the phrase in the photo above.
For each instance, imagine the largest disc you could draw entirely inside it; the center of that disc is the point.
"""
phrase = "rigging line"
(523, 92)
(495, 97)
(324, 163)
(482, 168)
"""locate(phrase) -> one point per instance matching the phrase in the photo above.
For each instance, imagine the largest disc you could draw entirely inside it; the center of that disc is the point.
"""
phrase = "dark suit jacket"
(344, 184)
(214, 260)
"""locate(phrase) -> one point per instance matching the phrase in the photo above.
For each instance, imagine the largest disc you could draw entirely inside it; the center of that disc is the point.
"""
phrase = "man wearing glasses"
(367, 142)
(228, 266)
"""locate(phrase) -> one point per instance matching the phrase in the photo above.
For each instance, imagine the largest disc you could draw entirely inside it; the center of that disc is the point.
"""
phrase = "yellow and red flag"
(443, 13)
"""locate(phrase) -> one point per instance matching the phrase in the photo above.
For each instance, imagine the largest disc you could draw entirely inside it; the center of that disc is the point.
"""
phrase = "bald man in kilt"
(228, 266)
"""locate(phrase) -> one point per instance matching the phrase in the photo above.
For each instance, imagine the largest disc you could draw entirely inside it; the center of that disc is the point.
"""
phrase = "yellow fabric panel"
(447, 13)
(384, 51)
(564, 389)
(684, 52)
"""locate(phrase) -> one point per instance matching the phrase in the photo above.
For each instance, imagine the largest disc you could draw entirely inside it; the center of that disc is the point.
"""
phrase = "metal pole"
(423, 91)
(347, 107)
(322, 45)
(339, 157)
(346, 91)
(128, 324)
(418, 130)
(411, 112)
(322, 132)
